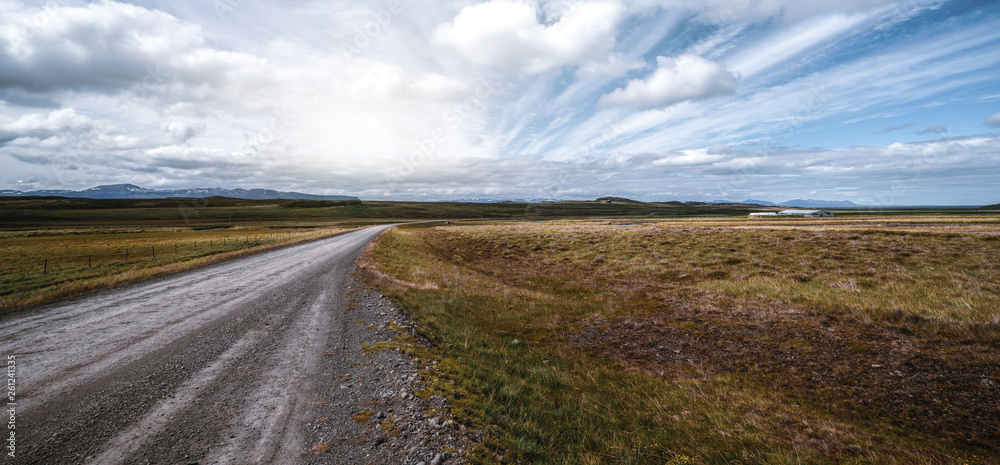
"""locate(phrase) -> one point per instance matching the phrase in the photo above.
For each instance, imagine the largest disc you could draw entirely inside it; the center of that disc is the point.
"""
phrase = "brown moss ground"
(880, 334)
(859, 372)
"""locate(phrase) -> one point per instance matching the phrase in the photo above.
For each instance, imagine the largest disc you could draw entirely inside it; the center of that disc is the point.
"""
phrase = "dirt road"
(217, 365)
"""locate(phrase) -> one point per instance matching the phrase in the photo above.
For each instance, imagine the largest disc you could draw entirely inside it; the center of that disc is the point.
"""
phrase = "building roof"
(801, 212)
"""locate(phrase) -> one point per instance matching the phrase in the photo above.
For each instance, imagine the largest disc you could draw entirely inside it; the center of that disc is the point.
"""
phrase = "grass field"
(57, 247)
(858, 340)
(217, 211)
(41, 265)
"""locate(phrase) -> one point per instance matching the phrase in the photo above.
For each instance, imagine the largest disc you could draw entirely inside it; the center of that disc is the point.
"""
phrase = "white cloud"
(142, 65)
(266, 96)
(675, 80)
(787, 44)
(726, 11)
(62, 120)
(689, 158)
(101, 47)
(507, 35)
(35, 135)
(182, 132)
(616, 65)
(993, 120)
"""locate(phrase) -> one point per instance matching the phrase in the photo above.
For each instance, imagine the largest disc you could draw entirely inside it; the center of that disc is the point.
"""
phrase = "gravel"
(253, 360)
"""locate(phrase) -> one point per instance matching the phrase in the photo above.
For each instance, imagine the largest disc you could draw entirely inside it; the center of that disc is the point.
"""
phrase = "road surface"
(213, 365)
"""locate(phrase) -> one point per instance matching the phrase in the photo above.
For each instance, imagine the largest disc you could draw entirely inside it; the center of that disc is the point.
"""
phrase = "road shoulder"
(371, 406)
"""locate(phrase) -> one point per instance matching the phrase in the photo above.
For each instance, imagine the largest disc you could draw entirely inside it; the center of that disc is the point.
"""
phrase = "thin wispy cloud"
(935, 129)
(506, 98)
(893, 128)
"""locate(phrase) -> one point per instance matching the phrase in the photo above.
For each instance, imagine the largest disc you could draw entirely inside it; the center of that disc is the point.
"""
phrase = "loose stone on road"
(238, 362)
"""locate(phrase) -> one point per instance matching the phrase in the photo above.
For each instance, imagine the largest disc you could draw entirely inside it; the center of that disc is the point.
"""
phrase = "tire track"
(176, 367)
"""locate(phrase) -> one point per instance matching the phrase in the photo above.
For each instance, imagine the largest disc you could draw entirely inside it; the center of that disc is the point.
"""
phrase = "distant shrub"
(319, 203)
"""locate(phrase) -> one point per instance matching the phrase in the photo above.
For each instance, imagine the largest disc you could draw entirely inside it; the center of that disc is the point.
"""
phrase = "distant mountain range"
(536, 200)
(801, 203)
(131, 191)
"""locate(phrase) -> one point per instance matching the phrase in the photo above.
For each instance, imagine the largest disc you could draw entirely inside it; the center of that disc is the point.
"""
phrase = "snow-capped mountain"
(131, 191)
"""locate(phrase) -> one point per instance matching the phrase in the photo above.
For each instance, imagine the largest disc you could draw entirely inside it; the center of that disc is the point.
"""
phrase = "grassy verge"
(711, 342)
(42, 265)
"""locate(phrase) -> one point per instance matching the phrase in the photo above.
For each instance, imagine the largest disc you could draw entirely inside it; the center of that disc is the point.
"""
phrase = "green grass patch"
(550, 333)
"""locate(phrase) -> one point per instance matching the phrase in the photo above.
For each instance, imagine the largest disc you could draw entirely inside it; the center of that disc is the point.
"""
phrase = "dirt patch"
(939, 388)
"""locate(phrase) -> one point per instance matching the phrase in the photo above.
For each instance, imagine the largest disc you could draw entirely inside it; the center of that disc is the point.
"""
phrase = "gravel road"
(239, 362)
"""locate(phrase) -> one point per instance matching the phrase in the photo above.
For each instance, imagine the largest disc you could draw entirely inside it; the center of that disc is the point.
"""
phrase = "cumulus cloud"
(893, 173)
(44, 124)
(180, 132)
(616, 65)
(31, 181)
(211, 101)
(102, 47)
(675, 80)
(40, 138)
(144, 65)
(508, 35)
(993, 120)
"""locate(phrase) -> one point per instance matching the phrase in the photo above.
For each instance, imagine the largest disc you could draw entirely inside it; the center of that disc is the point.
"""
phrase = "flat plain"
(869, 339)
(617, 331)
(58, 247)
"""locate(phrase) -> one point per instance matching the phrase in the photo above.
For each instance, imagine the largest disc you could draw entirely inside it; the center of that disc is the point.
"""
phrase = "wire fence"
(165, 251)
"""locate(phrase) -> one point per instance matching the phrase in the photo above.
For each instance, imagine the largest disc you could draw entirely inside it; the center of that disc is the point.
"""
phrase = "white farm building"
(809, 213)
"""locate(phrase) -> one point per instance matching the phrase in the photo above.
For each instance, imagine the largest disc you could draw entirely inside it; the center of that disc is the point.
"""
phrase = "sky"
(874, 101)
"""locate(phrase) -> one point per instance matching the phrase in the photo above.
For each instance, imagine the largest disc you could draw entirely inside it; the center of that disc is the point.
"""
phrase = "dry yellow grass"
(708, 341)
(40, 266)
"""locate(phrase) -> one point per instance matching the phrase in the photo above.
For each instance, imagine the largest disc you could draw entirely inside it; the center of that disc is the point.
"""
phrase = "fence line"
(248, 241)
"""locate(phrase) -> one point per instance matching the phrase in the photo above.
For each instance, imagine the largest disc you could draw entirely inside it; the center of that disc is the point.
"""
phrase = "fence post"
(90, 258)
(45, 266)
(154, 251)
(126, 254)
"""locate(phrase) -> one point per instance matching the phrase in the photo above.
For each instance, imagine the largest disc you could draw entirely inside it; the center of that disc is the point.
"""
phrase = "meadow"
(210, 212)
(869, 339)
(54, 247)
(37, 266)
(625, 338)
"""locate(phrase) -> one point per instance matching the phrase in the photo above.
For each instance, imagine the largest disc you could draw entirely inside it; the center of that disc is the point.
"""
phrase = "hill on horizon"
(798, 203)
(132, 191)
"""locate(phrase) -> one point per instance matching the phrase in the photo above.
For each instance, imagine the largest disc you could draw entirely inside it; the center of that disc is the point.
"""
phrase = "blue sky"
(873, 101)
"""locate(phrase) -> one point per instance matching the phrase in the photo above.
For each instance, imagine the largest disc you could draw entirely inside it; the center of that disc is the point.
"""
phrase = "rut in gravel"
(214, 365)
